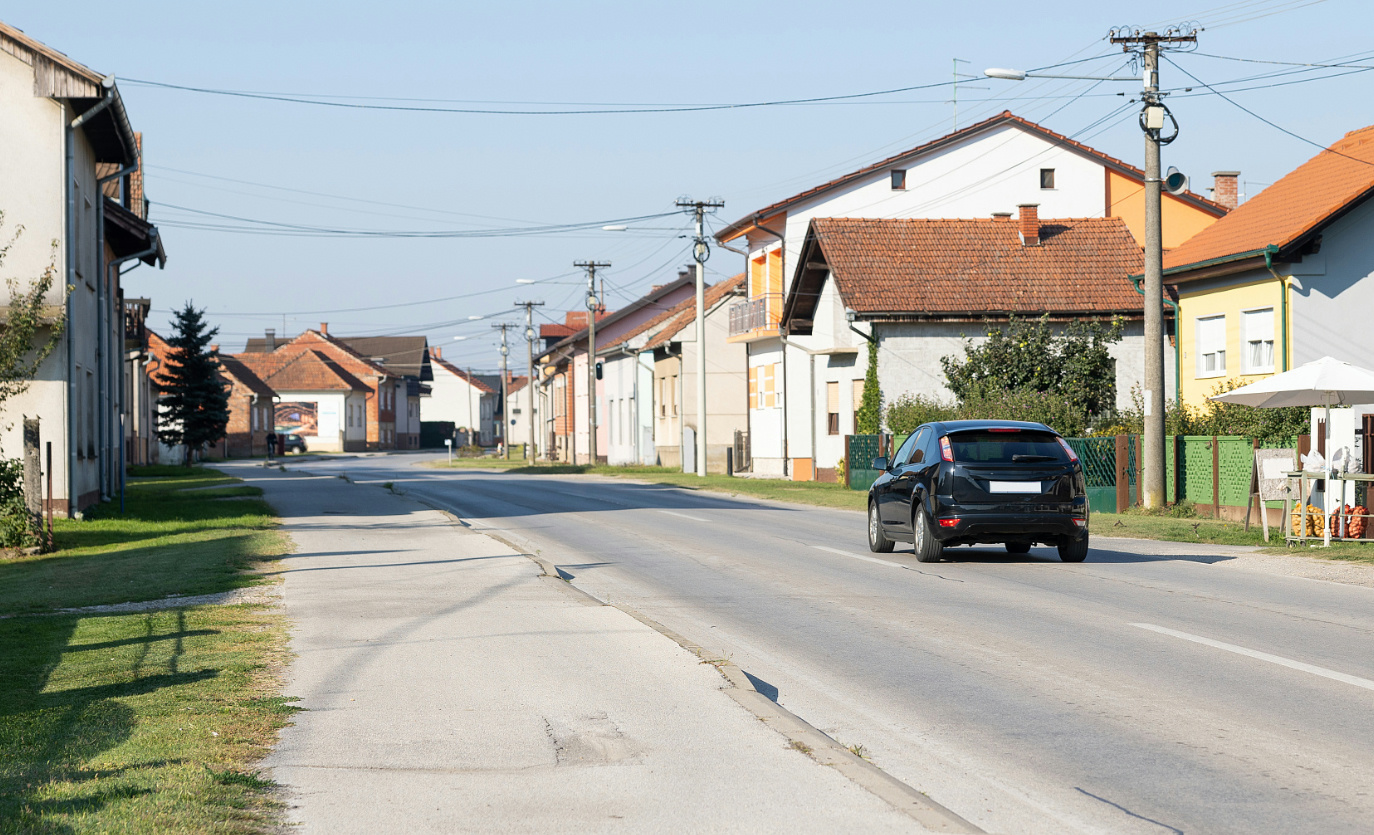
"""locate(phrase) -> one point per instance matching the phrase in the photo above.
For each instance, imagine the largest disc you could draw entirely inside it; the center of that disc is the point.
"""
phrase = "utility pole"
(505, 404)
(701, 250)
(592, 305)
(530, 336)
(1152, 120)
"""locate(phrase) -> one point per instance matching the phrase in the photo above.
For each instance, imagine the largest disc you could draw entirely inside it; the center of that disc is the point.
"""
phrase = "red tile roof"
(232, 367)
(1303, 200)
(686, 313)
(301, 371)
(160, 350)
(971, 267)
(737, 228)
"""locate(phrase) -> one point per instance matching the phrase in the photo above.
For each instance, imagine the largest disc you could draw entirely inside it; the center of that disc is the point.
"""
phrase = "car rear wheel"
(1073, 550)
(926, 546)
(877, 540)
(1018, 547)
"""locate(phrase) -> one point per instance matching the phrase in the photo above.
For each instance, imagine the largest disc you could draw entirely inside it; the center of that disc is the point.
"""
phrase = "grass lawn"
(1219, 532)
(144, 722)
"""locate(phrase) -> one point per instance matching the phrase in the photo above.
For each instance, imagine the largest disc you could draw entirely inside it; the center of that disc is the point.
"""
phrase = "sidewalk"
(447, 686)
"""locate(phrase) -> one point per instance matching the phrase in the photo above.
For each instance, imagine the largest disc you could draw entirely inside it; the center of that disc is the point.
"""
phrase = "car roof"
(974, 425)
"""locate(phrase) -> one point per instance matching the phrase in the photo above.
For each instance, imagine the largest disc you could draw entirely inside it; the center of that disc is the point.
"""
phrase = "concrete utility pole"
(592, 304)
(1152, 120)
(701, 250)
(505, 404)
(530, 336)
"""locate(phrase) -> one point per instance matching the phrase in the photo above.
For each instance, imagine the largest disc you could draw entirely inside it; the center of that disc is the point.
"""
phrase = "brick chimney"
(1001, 216)
(271, 339)
(1029, 223)
(324, 328)
(436, 352)
(1225, 188)
(214, 347)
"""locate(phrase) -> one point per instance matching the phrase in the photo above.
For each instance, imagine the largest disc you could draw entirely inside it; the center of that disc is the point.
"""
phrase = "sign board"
(448, 442)
(1272, 466)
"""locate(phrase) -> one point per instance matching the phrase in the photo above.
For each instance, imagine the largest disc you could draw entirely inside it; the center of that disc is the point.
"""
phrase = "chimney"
(214, 347)
(436, 352)
(324, 328)
(1029, 223)
(1001, 216)
(271, 339)
(1224, 188)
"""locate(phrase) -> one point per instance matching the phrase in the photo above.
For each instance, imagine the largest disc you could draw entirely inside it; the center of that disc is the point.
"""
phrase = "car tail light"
(1003, 429)
(949, 523)
(946, 451)
(1082, 523)
(1073, 456)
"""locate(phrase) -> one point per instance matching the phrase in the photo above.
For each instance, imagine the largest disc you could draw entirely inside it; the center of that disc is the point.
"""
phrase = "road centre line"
(683, 515)
(1262, 656)
(858, 556)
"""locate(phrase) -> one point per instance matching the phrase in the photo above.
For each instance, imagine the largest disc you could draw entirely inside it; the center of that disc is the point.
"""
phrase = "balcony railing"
(748, 316)
(135, 329)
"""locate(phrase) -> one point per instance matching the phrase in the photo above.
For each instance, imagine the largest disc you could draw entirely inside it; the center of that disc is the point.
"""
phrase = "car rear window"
(1016, 447)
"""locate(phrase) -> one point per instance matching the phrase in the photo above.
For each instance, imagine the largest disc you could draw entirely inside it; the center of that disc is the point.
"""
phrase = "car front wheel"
(877, 539)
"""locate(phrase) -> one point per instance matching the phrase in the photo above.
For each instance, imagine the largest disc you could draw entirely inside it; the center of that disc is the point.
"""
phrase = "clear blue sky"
(461, 171)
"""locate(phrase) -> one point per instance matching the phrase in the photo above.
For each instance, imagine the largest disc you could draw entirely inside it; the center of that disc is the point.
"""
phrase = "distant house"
(1286, 278)
(991, 166)
(407, 356)
(518, 412)
(252, 410)
(920, 287)
(317, 398)
(462, 398)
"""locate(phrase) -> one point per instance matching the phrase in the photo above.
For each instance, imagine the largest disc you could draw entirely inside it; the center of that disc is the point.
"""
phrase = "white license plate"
(1014, 487)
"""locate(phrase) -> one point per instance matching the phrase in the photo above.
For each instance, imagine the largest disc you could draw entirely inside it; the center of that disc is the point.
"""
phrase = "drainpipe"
(1269, 253)
(71, 255)
(1178, 341)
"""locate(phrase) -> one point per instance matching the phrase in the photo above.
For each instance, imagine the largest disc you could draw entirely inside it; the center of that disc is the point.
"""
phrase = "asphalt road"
(1146, 690)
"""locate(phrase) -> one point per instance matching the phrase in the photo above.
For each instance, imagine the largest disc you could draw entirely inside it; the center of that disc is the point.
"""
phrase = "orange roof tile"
(686, 313)
(232, 367)
(1286, 212)
(971, 267)
(301, 371)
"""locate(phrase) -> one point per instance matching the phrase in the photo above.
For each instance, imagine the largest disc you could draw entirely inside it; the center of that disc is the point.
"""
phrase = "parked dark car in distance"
(293, 443)
(968, 482)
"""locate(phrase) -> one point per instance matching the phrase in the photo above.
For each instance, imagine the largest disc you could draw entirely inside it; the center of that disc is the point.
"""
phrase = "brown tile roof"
(516, 383)
(347, 358)
(301, 371)
(649, 301)
(232, 367)
(158, 347)
(970, 267)
(737, 228)
(1303, 200)
(473, 380)
(403, 355)
(686, 313)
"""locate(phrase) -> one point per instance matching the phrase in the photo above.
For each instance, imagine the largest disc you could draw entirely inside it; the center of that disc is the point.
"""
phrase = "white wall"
(1333, 293)
(332, 412)
(452, 398)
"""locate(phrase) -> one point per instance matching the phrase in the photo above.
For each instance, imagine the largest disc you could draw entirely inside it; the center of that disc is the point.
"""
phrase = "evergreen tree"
(870, 412)
(195, 407)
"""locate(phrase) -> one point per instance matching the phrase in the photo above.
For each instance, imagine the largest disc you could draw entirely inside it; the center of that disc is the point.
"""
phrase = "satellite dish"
(1175, 181)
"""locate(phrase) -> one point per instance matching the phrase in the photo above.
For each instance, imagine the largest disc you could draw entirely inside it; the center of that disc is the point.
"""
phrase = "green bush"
(18, 527)
(1054, 410)
(911, 410)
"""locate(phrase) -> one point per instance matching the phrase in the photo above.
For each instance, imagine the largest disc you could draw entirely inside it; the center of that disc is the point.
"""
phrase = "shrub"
(1054, 410)
(18, 527)
(911, 410)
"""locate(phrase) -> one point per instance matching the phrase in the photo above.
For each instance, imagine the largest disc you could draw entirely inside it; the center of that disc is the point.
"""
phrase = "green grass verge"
(146, 722)
(803, 492)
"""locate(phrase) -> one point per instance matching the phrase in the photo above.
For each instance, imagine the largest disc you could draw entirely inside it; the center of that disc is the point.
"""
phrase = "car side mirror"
(880, 463)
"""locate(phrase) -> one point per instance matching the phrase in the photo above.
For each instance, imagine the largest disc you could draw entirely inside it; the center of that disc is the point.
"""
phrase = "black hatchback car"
(966, 482)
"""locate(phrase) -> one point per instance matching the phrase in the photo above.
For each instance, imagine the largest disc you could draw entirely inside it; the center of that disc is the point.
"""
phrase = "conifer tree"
(870, 411)
(194, 409)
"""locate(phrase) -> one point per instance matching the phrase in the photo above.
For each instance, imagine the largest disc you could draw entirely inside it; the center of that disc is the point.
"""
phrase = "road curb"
(803, 736)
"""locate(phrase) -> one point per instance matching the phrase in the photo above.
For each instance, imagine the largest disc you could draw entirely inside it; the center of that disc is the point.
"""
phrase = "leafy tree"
(1028, 356)
(870, 412)
(194, 410)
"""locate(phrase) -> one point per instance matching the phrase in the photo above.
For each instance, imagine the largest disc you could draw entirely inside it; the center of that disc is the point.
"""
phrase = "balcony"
(748, 316)
(135, 329)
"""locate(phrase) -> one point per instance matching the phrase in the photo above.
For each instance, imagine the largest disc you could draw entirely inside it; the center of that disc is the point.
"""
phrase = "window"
(1047, 178)
(832, 408)
(768, 386)
(1257, 329)
(1210, 345)
(899, 179)
(672, 392)
(662, 397)
(915, 447)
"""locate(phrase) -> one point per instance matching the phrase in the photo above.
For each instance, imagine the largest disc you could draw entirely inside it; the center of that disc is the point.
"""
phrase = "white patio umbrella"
(1325, 382)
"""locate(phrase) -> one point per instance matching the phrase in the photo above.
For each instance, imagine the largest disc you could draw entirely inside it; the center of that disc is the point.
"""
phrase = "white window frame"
(1201, 371)
(1245, 339)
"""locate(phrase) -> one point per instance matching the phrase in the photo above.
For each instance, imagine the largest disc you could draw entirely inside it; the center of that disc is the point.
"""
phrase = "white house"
(988, 167)
(316, 398)
(458, 396)
(69, 154)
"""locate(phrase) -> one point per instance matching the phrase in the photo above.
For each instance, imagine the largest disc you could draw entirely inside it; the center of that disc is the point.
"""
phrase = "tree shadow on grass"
(50, 733)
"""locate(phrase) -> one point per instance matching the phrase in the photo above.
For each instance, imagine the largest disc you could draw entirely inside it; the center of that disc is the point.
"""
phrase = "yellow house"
(1282, 280)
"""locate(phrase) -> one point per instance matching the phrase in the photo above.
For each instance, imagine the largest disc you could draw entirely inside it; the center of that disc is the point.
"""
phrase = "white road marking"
(1262, 656)
(858, 556)
(684, 516)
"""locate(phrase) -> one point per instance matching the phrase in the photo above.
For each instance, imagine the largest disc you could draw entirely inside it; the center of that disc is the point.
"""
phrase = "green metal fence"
(1098, 456)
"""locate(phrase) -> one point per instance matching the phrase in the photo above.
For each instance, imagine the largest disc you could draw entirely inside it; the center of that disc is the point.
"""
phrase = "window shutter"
(832, 397)
(754, 387)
